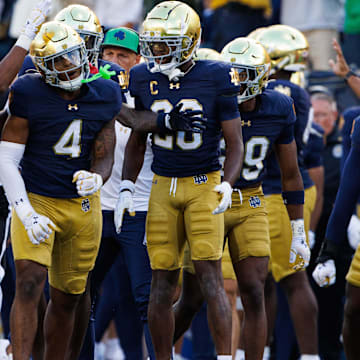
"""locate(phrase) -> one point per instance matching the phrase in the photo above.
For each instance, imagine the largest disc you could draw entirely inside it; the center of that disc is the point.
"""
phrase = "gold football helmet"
(206, 54)
(286, 46)
(251, 66)
(256, 33)
(85, 22)
(173, 28)
(59, 53)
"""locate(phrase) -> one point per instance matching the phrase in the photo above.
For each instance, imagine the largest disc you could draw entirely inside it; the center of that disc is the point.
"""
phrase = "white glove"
(38, 227)
(225, 189)
(87, 183)
(32, 25)
(325, 274)
(125, 201)
(311, 236)
(353, 232)
(299, 246)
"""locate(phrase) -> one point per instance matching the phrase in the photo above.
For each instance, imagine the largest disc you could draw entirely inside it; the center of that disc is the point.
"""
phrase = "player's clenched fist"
(87, 183)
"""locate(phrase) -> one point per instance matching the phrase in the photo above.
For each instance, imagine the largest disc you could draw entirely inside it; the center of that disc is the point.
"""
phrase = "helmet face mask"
(171, 34)
(60, 56)
(171, 50)
(251, 80)
(92, 44)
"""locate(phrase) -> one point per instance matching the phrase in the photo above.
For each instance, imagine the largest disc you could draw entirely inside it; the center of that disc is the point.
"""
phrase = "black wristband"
(329, 250)
(349, 73)
(160, 121)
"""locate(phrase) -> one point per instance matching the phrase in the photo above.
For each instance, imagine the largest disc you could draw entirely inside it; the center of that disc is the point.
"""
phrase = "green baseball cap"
(122, 37)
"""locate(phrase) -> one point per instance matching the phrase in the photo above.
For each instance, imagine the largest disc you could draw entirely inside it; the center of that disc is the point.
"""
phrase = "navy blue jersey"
(272, 122)
(347, 123)
(120, 76)
(272, 182)
(313, 156)
(209, 86)
(349, 190)
(61, 132)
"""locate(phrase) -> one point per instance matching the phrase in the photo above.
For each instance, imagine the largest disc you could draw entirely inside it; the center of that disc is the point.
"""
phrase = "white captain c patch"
(200, 179)
(254, 201)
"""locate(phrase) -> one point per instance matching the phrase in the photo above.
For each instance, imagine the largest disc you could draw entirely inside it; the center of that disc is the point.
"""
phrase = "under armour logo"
(200, 179)
(254, 201)
(247, 123)
(120, 35)
(85, 205)
(174, 86)
(73, 107)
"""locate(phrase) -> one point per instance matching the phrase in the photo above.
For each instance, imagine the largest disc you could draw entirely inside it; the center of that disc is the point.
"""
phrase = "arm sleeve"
(348, 193)
(346, 136)
(10, 177)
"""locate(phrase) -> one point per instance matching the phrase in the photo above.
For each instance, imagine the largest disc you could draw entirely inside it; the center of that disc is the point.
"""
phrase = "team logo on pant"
(85, 205)
(200, 179)
(254, 201)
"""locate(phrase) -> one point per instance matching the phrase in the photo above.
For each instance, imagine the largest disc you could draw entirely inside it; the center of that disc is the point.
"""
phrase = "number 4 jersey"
(208, 86)
(61, 132)
(272, 122)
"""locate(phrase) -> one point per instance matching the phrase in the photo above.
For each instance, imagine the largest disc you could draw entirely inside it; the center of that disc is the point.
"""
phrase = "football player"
(267, 122)
(54, 124)
(187, 195)
(288, 49)
(63, 133)
(325, 272)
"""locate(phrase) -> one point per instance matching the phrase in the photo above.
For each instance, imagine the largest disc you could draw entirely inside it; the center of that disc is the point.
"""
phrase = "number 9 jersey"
(208, 86)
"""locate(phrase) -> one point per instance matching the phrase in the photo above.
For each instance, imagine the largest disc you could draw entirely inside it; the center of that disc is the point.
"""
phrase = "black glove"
(329, 250)
(177, 120)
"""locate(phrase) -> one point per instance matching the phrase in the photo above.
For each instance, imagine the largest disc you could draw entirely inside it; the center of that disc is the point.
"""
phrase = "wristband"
(127, 185)
(348, 74)
(24, 42)
(293, 197)
(297, 227)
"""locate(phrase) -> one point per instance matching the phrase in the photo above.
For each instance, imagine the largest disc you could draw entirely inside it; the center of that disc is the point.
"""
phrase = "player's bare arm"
(102, 158)
(234, 149)
(134, 155)
(11, 64)
(148, 121)
(317, 176)
(16, 130)
(137, 120)
(341, 68)
(290, 175)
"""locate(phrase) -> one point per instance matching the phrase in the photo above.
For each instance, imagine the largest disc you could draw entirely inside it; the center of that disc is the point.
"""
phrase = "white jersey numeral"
(167, 141)
(255, 152)
(69, 142)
